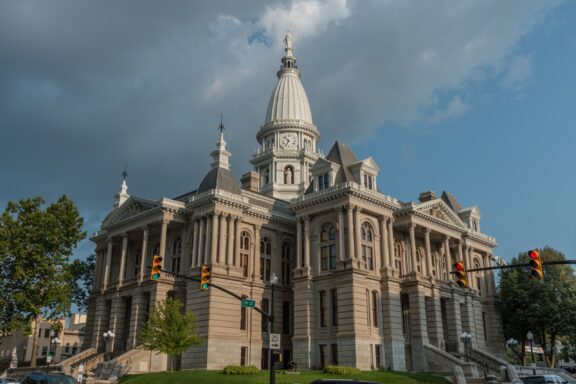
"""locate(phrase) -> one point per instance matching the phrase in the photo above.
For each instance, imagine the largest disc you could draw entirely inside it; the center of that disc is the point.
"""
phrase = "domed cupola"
(288, 137)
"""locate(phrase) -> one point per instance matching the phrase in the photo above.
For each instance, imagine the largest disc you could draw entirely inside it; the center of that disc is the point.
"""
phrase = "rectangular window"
(378, 353)
(334, 353)
(484, 326)
(176, 264)
(44, 351)
(265, 309)
(243, 355)
(332, 252)
(374, 308)
(368, 307)
(323, 309)
(323, 181)
(286, 317)
(328, 257)
(268, 269)
(244, 264)
(368, 181)
(47, 332)
(405, 305)
(322, 355)
(334, 302)
(243, 314)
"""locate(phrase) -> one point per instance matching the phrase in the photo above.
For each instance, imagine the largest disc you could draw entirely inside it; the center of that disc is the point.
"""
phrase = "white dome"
(289, 100)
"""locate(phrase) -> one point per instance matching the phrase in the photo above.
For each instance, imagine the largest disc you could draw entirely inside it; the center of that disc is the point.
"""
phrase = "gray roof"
(342, 155)
(451, 201)
(219, 178)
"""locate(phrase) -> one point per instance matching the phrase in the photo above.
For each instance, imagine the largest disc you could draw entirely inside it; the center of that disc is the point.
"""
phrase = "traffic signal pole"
(550, 262)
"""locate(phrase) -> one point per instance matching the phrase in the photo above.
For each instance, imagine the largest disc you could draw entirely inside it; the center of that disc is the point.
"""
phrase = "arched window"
(286, 257)
(444, 267)
(289, 174)
(367, 236)
(176, 253)
(418, 260)
(327, 247)
(244, 252)
(265, 258)
(478, 279)
(398, 255)
(433, 260)
(374, 308)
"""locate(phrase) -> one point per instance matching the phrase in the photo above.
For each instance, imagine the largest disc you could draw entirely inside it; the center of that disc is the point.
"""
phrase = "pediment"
(131, 207)
(440, 210)
(321, 165)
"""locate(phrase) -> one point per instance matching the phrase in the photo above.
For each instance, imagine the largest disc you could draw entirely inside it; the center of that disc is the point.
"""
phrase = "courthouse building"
(363, 278)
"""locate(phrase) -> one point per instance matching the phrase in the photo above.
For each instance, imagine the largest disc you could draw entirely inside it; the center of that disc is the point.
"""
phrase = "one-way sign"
(274, 341)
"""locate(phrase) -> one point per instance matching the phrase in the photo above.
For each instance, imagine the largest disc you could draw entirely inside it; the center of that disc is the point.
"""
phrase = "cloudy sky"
(474, 97)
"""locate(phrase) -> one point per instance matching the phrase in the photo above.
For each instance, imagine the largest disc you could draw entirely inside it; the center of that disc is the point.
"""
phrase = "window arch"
(265, 258)
(367, 237)
(286, 261)
(244, 252)
(288, 174)
(327, 247)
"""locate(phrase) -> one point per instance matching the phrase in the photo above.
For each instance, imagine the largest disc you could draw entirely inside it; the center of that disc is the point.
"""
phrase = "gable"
(132, 207)
(439, 209)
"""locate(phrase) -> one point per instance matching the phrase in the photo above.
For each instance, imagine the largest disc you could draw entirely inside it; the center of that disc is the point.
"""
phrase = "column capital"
(144, 227)
(427, 231)
(340, 208)
(124, 235)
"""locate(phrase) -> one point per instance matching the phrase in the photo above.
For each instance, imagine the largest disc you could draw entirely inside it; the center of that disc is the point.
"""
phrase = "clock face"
(289, 141)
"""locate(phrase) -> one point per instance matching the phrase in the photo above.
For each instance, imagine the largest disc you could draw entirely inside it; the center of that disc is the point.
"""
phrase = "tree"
(35, 249)
(83, 276)
(546, 307)
(169, 330)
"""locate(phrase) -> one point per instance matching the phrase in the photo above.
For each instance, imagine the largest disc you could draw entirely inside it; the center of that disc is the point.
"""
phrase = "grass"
(305, 377)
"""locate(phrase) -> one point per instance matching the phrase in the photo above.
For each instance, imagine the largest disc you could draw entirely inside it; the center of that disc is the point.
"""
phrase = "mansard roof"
(342, 155)
(219, 178)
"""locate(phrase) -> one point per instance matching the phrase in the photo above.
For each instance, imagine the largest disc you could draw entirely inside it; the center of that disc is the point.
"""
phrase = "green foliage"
(547, 308)
(169, 330)
(35, 249)
(240, 370)
(340, 370)
(83, 277)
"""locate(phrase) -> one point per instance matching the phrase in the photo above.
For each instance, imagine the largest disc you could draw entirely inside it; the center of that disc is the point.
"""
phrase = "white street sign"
(274, 341)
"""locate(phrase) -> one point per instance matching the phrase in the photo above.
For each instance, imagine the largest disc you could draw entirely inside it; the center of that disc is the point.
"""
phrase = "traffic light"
(460, 274)
(156, 268)
(535, 264)
(205, 278)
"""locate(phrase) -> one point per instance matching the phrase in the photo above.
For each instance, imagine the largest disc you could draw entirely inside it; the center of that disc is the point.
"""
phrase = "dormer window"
(323, 181)
(368, 181)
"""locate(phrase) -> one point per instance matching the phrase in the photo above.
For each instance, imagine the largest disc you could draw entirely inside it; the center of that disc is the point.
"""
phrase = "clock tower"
(288, 137)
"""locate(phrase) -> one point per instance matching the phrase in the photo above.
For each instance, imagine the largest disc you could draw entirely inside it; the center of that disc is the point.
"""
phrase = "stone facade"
(363, 279)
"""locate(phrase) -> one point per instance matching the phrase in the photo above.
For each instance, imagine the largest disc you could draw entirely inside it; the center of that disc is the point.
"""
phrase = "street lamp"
(108, 335)
(273, 282)
(512, 343)
(530, 337)
(465, 337)
(55, 342)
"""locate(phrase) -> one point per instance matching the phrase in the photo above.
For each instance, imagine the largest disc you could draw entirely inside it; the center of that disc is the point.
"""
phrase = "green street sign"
(247, 303)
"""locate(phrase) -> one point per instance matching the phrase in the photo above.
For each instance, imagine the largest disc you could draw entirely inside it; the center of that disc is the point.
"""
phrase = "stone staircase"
(89, 358)
(442, 361)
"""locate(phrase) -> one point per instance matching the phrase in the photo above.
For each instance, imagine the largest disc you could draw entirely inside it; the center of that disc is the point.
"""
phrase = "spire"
(122, 196)
(288, 61)
(220, 154)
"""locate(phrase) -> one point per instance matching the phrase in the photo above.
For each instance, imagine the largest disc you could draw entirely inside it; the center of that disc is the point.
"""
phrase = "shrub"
(240, 370)
(339, 370)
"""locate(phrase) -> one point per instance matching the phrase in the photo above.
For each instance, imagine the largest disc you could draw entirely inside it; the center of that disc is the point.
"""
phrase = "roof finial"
(221, 127)
(125, 174)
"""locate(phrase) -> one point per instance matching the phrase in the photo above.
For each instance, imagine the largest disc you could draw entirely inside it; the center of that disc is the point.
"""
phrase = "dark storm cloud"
(86, 86)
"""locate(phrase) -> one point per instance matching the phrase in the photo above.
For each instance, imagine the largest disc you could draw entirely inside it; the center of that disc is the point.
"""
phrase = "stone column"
(230, 241)
(341, 249)
(237, 240)
(454, 323)
(256, 262)
(137, 316)
(413, 248)
(460, 257)
(298, 243)
(491, 282)
(201, 241)
(391, 242)
(419, 330)
(116, 323)
(144, 254)
(428, 253)
(97, 269)
(214, 245)
(307, 244)
(448, 257)
(357, 243)
(392, 326)
(350, 231)
(108, 264)
(195, 245)
(208, 239)
(123, 259)
(384, 257)
(163, 233)
(222, 240)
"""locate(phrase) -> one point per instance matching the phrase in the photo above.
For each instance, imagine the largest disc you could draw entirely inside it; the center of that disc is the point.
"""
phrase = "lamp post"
(465, 337)
(512, 343)
(55, 342)
(530, 337)
(273, 282)
(108, 335)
